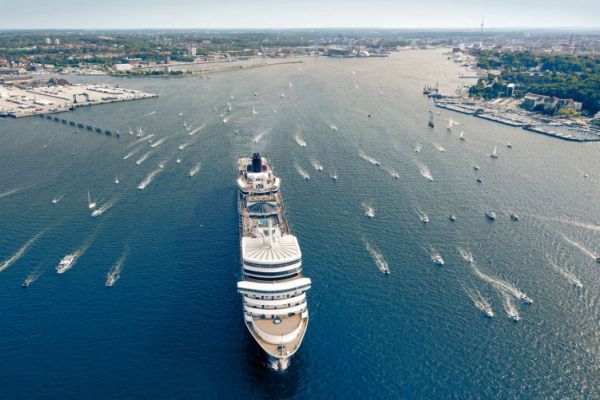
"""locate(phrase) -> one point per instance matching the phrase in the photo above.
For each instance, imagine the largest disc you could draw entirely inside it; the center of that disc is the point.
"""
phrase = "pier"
(90, 128)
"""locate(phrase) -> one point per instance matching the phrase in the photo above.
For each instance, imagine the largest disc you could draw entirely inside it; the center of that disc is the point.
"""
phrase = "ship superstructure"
(273, 287)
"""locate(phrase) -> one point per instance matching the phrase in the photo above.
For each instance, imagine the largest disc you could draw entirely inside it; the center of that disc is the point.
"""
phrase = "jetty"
(107, 132)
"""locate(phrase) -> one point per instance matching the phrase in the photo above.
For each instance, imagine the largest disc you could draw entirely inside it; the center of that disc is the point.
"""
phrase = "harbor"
(61, 96)
(508, 112)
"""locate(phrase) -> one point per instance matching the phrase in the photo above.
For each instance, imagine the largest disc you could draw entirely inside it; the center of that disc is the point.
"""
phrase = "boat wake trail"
(466, 255)
(480, 302)
(580, 247)
(10, 192)
(424, 171)
(198, 129)
(184, 145)
(422, 216)
(143, 158)
(15, 257)
(502, 286)
(32, 277)
(140, 140)
(158, 142)
(258, 137)
(377, 257)
(510, 308)
(56, 199)
(300, 141)
(302, 172)
(114, 273)
(368, 158)
(148, 114)
(568, 275)
(195, 169)
(317, 165)
(99, 211)
(131, 153)
(149, 178)
(393, 173)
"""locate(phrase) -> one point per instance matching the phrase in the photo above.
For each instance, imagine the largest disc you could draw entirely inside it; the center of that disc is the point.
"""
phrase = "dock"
(18, 102)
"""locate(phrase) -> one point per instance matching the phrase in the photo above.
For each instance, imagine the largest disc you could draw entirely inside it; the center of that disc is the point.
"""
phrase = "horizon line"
(422, 28)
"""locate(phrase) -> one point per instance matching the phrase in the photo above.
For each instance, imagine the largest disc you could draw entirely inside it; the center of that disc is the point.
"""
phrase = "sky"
(257, 14)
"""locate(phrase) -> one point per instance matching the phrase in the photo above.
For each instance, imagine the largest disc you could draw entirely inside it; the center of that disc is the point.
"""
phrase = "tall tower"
(482, 20)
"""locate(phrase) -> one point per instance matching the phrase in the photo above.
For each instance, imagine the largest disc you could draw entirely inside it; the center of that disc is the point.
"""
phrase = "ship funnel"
(256, 163)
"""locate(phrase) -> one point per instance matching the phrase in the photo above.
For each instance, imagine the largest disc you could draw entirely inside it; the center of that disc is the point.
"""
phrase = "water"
(171, 326)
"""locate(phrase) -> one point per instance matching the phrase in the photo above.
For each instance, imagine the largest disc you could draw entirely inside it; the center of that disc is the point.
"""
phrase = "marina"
(533, 122)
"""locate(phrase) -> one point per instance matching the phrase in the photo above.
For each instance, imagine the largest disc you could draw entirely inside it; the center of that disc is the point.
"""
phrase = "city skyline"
(270, 14)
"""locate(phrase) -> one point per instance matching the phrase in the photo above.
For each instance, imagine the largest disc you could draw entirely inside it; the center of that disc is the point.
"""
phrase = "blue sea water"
(171, 326)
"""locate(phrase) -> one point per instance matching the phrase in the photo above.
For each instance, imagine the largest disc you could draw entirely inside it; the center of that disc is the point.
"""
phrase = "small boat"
(395, 175)
(65, 263)
(515, 317)
(370, 213)
(525, 299)
(282, 95)
(461, 137)
(116, 180)
(491, 215)
(586, 175)
(25, 284)
(598, 260)
(452, 217)
(487, 310)
(514, 216)
(255, 94)
(494, 153)
(476, 167)
(180, 114)
(509, 145)
(254, 110)
(91, 203)
(431, 123)
(334, 177)
(437, 259)
(178, 161)
(424, 219)
(479, 180)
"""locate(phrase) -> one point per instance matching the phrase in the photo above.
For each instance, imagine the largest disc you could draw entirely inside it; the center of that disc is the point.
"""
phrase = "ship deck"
(286, 326)
(248, 222)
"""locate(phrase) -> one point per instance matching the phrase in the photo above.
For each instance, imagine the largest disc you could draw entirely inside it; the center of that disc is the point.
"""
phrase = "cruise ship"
(273, 287)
